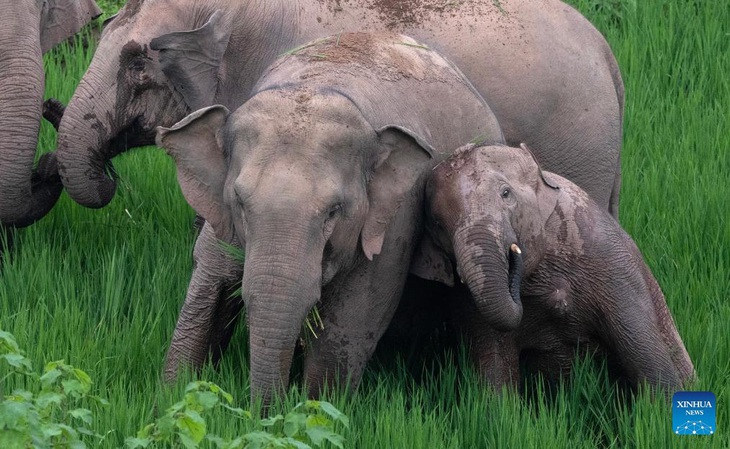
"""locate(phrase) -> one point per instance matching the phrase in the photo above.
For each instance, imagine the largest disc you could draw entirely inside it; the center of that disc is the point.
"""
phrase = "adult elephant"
(320, 176)
(29, 28)
(547, 73)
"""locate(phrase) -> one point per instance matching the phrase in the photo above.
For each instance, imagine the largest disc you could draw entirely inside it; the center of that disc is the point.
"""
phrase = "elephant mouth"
(514, 272)
(134, 135)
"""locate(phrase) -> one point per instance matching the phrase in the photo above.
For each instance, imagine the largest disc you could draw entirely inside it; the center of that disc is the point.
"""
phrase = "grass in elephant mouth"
(312, 323)
(102, 288)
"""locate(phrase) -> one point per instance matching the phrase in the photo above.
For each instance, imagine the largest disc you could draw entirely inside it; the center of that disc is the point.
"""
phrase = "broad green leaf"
(187, 441)
(11, 438)
(207, 399)
(332, 411)
(18, 361)
(12, 413)
(49, 378)
(318, 421)
(176, 407)
(134, 443)
(74, 388)
(192, 425)
(272, 420)
(166, 426)
(84, 378)
(82, 414)
(8, 343)
(319, 434)
(20, 396)
(77, 444)
(44, 400)
(296, 443)
(294, 423)
(51, 430)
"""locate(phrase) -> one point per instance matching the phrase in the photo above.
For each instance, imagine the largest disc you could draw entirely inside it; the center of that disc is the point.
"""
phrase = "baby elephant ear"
(431, 263)
(61, 19)
(399, 167)
(545, 178)
(191, 59)
(195, 143)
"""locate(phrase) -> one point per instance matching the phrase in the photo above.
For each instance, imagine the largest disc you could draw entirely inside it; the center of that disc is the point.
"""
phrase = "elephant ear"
(431, 262)
(400, 163)
(191, 59)
(546, 177)
(61, 19)
(196, 145)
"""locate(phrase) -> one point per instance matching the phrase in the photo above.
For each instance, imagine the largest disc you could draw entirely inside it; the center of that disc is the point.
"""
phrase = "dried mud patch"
(389, 56)
(411, 13)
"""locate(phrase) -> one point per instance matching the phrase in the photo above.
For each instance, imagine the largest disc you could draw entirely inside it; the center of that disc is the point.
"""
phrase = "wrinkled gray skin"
(575, 280)
(547, 73)
(319, 176)
(29, 28)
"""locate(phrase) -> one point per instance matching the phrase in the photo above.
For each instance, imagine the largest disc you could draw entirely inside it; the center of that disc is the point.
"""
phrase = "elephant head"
(147, 71)
(28, 29)
(485, 205)
(304, 216)
(310, 172)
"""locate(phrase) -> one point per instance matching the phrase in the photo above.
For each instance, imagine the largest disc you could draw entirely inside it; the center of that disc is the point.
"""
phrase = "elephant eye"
(505, 192)
(334, 211)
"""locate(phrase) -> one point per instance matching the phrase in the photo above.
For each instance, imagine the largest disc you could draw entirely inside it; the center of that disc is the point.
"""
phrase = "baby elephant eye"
(505, 192)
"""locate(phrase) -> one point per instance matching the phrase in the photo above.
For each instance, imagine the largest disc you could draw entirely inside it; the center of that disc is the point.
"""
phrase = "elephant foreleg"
(495, 354)
(206, 306)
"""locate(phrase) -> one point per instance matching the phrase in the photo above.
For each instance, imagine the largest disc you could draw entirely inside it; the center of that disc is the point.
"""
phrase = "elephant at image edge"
(545, 272)
(320, 177)
(29, 28)
(546, 72)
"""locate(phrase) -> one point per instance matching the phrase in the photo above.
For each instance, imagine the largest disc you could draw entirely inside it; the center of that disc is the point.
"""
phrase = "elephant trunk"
(25, 196)
(93, 131)
(278, 291)
(492, 270)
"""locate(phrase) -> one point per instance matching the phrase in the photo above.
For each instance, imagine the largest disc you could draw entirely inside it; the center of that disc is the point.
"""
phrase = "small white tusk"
(515, 249)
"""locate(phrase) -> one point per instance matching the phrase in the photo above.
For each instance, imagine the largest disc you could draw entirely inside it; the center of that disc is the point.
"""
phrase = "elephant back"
(394, 81)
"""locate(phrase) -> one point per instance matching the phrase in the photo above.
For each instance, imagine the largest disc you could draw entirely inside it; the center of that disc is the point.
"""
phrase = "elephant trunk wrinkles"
(279, 291)
(86, 138)
(25, 196)
(485, 268)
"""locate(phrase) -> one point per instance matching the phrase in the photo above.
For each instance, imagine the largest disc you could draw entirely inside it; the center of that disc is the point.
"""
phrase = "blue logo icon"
(693, 413)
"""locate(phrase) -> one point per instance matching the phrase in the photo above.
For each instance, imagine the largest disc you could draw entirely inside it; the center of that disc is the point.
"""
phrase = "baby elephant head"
(487, 207)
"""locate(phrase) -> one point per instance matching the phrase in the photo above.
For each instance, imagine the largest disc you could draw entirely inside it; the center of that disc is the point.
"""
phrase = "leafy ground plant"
(310, 424)
(53, 415)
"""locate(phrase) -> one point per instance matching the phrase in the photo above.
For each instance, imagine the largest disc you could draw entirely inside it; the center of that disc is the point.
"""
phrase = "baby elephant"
(548, 272)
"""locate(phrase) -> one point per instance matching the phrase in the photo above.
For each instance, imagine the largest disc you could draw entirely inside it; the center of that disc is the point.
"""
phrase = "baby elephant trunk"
(492, 270)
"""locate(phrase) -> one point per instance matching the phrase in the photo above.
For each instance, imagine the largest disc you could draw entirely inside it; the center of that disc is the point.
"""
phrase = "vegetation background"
(102, 288)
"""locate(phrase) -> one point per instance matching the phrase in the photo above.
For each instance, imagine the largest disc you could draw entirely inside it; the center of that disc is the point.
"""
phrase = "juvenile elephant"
(319, 176)
(546, 271)
(547, 73)
(29, 28)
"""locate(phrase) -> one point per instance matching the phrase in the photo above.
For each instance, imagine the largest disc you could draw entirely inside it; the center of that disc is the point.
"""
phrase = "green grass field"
(102, 288)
